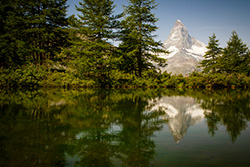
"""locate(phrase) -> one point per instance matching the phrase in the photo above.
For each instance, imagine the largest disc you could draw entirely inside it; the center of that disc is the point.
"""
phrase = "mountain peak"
(185, 51)
(179, 23)
(178, 37)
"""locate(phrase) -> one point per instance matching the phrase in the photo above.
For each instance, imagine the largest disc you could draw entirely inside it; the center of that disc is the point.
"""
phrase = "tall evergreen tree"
(137, 37)
(33, 30)
(209, 63)
(93, 31)
(11, 36)
(46, 32)
(236, 56)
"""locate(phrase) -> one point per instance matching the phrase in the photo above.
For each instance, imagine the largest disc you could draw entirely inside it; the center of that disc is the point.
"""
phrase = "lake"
(118, 127)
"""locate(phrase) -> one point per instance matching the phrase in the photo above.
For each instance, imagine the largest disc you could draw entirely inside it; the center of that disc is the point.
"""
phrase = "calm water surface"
(96, 127)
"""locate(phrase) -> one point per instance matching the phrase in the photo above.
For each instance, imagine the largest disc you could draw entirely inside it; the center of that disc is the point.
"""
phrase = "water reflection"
(108, 127)
(231, 109)
(181, 112)
(88, 128)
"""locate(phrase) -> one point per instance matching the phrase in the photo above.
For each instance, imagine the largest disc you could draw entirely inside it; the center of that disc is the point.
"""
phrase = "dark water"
(94, 127)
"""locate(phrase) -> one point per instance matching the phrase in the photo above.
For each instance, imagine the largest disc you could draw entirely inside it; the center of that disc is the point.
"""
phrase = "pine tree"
(92, 33)
(235, 57)
(32, 30)
(137, 36)
(209, 63)
(46, 32)
(11, 36)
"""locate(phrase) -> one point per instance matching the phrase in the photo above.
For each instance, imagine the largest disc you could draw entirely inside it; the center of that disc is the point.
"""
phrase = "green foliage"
(137, 35)
(40, 76)
(93, 55)
(195, 80)
(32, 31)
(35, 48)
(226, 67)
(174, 81)
(27, 76)
(58, 79)
(235, 58)
(232, 59)
(209, 63)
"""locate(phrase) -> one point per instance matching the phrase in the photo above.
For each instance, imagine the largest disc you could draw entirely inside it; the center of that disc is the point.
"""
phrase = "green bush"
(29, 75)
(41, 76)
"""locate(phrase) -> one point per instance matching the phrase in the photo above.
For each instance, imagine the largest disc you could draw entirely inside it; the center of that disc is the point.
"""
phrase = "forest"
(41, 46)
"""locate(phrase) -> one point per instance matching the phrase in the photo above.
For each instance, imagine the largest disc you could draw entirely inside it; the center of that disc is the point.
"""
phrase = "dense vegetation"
(41, 46)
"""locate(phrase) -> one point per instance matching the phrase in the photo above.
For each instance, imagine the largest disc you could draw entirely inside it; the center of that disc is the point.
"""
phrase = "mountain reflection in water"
(97, 127)
(181, 113)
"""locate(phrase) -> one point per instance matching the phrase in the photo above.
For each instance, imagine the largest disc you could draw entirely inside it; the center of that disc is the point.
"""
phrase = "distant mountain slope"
(185, 51)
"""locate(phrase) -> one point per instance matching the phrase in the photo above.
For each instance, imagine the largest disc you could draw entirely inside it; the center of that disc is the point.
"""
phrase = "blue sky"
(201, 17)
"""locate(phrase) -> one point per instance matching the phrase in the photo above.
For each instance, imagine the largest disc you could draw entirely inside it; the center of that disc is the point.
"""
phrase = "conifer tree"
(46, 32)
(137, 36)
(12, 44)
(32, 30)
(93, 31)
(235, 57)
(209, 63)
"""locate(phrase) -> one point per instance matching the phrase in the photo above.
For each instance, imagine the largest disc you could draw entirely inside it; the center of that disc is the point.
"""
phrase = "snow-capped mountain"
(185, 51)
(181, 113)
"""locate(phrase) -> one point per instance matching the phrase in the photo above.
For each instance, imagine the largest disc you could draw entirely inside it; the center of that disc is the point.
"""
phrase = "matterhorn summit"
(185, 51)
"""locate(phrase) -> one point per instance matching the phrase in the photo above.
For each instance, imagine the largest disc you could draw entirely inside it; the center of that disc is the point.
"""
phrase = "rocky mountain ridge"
(185, 51)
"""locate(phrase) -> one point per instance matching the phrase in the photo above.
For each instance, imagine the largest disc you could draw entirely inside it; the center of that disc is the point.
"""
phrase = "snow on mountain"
(185, 51)
(181, 113)
(173, 50)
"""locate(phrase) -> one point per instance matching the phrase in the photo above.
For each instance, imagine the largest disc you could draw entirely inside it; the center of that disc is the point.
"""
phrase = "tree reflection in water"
(97, 126)
(229, 108)
(107, 127)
